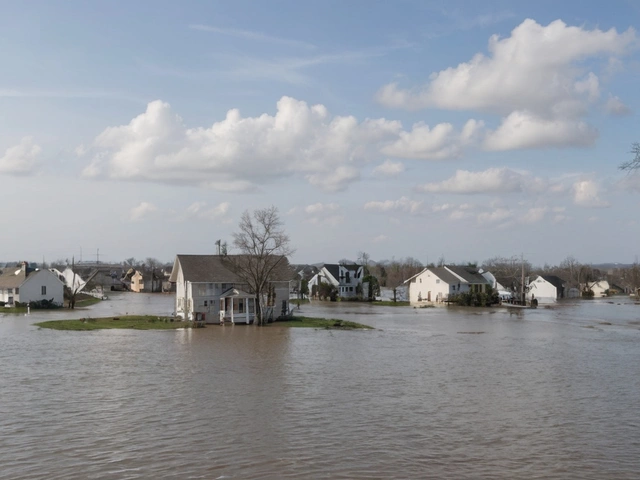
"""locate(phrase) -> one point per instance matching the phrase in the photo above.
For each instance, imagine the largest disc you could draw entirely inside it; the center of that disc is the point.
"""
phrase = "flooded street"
(431, 393)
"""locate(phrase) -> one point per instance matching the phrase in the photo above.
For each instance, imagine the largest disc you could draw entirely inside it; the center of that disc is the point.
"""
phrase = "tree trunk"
(259, 313)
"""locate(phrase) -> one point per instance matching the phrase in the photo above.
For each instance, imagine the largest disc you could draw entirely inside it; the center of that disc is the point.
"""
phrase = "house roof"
(15, 277)
(220, 269)
(236, 293)
(554, 280)
(12, 277)
(445, 275)
(334, 269)
(469, 274)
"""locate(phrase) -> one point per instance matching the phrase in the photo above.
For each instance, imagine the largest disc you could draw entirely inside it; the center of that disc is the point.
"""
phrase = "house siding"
(31, 288)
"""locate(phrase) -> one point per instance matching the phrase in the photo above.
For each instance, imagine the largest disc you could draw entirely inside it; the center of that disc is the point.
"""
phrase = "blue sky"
(462, 130)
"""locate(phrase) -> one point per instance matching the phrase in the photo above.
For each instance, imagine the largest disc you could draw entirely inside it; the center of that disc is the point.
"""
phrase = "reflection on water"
(546, 393)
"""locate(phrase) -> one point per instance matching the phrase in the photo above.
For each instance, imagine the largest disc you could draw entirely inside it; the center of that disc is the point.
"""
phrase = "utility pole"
(522, 297)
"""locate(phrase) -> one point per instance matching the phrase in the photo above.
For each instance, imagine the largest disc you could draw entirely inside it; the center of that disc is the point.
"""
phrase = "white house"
(545, 288)
(436, 284)
(208, 284)
(599, 288)
(23, 284)
(345, 278)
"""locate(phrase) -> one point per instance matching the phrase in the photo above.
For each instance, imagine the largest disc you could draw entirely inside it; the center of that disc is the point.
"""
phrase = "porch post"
(232, 322)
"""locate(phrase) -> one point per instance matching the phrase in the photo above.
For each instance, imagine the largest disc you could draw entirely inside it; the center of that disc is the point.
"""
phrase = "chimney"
(23, 266)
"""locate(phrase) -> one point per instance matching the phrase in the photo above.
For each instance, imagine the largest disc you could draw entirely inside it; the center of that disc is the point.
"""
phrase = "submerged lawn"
(326, 323)
(151, 322)
(391, 303)
(137, 322)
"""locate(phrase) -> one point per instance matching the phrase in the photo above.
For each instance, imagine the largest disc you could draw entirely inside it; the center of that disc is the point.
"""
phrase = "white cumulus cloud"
(142, 210)
(524, 130)
(535, 79)
(533, 69)
(615, 107)
(490, 181)
(403, 204)
(586, 193)
(388, 168)
(438, 143)
(238, 153)
(320, 213)
(202, 210)
(21, 159)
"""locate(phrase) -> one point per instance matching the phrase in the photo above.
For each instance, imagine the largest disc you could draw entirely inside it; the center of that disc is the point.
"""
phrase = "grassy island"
(136, 322)
(325, 323)
(151, 322)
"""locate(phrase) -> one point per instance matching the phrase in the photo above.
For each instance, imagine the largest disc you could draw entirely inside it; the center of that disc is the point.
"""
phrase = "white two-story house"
(23, 284)
(436, 284)
(345, 278)
(209, 284)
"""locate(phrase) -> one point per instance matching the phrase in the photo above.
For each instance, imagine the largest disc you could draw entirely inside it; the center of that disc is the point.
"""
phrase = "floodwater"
(551, 393)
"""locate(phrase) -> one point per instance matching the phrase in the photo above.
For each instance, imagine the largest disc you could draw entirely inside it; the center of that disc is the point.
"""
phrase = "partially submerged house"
(209, 284)
(23, 284)
(437, 284)
(134, 280)
(599, 288)
(346, 278)
(545, 289)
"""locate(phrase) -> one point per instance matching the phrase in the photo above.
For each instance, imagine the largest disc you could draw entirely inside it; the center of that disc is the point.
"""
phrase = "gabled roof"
(219, 269)
(469, 274)
(12, 277)
(445, 275)
(334, 269)
(15, 277)
(554, 280)
(236, 293)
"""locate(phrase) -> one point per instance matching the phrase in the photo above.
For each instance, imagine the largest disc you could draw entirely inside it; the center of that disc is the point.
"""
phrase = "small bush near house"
(39, 304)
(474, 299)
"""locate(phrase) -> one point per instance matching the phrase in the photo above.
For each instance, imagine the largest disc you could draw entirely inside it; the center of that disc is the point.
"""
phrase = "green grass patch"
(390, 303)
(136, 322)
(13, 309)
(86, 300)
(325, 323)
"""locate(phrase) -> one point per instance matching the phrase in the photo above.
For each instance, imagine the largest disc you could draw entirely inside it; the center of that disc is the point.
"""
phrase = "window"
(348, 280)
(206, 303)
(9, 290)
(438, 280)
(44, 289)
(17, 291)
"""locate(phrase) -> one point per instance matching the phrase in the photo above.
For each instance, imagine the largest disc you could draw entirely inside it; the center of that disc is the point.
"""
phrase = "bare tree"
(264, 247)
(633, 164)
(397, 271)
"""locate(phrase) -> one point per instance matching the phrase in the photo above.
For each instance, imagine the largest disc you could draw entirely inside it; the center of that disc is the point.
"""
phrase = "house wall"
(137, 282)
(544, 291)
(427, 287)
(7, 294)
(32, 288)
(203, 300)
(181, 295)
(345, 288)
(599, 288)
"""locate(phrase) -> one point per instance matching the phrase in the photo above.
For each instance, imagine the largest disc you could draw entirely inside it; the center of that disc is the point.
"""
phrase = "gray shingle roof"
(220, 269)
(469, 274)
(9, 278)
(445, 275)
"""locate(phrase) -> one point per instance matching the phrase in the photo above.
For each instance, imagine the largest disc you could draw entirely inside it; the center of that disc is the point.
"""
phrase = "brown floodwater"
(431, 393)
